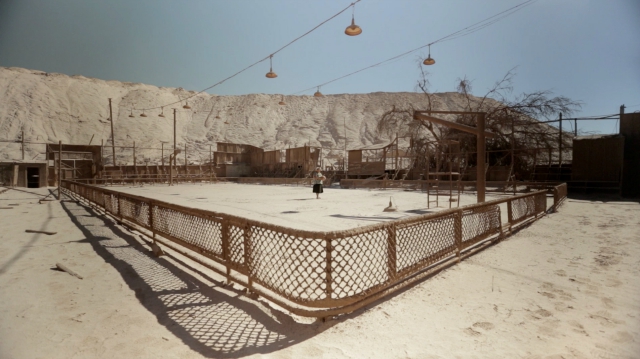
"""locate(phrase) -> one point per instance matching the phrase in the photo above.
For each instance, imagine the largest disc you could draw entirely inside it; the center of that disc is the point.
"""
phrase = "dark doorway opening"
(33, 177)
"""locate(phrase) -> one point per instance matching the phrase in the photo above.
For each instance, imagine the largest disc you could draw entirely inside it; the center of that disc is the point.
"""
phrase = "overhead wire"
(460, 33)
(255, 63)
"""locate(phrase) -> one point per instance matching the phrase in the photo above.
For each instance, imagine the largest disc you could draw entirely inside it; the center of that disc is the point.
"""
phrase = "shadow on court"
(215, 322)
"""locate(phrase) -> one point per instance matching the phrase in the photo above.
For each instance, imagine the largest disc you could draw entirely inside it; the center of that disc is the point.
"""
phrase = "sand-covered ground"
(565, 287)
(297, 207)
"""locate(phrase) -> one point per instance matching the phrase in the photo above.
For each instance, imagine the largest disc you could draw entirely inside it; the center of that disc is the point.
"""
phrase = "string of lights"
(351, 30)
(429, 61)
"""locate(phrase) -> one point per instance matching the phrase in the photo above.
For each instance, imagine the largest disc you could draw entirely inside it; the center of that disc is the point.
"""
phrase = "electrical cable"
(463, 32)
(255, 63)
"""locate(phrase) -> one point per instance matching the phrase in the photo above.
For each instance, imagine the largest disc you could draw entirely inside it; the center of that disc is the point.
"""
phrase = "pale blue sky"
(588, 50)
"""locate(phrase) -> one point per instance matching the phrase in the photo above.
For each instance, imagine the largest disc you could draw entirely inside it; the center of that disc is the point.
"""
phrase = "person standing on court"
(317, 178)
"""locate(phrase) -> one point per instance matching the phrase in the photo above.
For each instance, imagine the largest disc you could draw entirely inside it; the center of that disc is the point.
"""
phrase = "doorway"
(33, 177)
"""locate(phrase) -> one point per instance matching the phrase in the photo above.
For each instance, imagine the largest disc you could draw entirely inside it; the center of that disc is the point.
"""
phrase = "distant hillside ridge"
(52, 107)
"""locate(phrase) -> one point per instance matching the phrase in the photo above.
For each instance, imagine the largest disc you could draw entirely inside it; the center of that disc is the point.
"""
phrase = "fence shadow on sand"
(213, 321)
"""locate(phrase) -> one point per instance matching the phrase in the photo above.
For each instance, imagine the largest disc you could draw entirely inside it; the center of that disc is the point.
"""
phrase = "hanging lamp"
(161, 113)
(353, 29)
(131, 113)
(271, 74)
(142, 114)
(429, 60)
(282, 101)
(318, 93)
(186, 105)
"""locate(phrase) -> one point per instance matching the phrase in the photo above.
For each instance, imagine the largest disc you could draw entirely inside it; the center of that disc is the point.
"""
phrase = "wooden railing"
(313, 273)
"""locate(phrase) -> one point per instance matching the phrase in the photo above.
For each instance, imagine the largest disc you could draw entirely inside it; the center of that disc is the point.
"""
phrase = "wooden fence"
(313, 273)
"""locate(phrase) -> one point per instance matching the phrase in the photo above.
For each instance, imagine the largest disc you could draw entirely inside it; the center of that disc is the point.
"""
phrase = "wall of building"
(15, 174)
(630, 129)
(597, 158)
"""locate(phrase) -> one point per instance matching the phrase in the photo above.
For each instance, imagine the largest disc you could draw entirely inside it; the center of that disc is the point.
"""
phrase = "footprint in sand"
(470, 331)
(483, 325)
(561, 273)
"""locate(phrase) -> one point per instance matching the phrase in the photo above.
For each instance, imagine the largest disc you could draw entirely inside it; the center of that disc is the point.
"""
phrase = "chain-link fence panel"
(291, 265)
(425, 242)
(358, 262)
(479, 223)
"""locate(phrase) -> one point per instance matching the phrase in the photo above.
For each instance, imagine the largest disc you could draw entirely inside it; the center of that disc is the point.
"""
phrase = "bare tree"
(504, 113)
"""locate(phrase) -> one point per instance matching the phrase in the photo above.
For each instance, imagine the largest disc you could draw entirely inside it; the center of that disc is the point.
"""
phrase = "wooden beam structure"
(478, 131)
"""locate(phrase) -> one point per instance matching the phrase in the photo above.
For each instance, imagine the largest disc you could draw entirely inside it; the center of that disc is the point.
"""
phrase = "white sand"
(565, 287)
(297, 207)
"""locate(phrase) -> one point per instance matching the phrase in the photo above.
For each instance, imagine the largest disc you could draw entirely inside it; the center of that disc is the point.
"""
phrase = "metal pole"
(185, 157)
(513, 164)
(23, 145)
(622, 107)
(174, 149)
(59, 168)
(344, 160)
(134, 157)
(560, 144)
(113, 142)
(170, 171)
(480, 180)
(575, 127)
(162, 155)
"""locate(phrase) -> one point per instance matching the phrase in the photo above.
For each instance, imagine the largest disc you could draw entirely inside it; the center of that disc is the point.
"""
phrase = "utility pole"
(481, 174)
(162, 155)
(622, 107)
(59, 168)
(560, 144)
(23, 145)
(210, 164)
(344, 159)
(113, 142)
(174, 149)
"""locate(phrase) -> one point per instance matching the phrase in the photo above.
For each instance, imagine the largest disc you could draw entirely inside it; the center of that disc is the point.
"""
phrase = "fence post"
(458, 233)
(509, 212)
(153, 230)
(119, 208)
(391, 252)
(248, 260)
(224, 229)
(556, 199)
(328, 270)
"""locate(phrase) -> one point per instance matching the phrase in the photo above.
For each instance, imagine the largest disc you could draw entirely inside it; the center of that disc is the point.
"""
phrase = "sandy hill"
(50, 107)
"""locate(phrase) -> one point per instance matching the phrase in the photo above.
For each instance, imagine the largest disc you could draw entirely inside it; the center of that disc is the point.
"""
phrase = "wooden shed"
(23, 174)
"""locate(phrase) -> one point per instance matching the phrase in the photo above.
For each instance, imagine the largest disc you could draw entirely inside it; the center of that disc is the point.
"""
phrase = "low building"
(23, 174)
